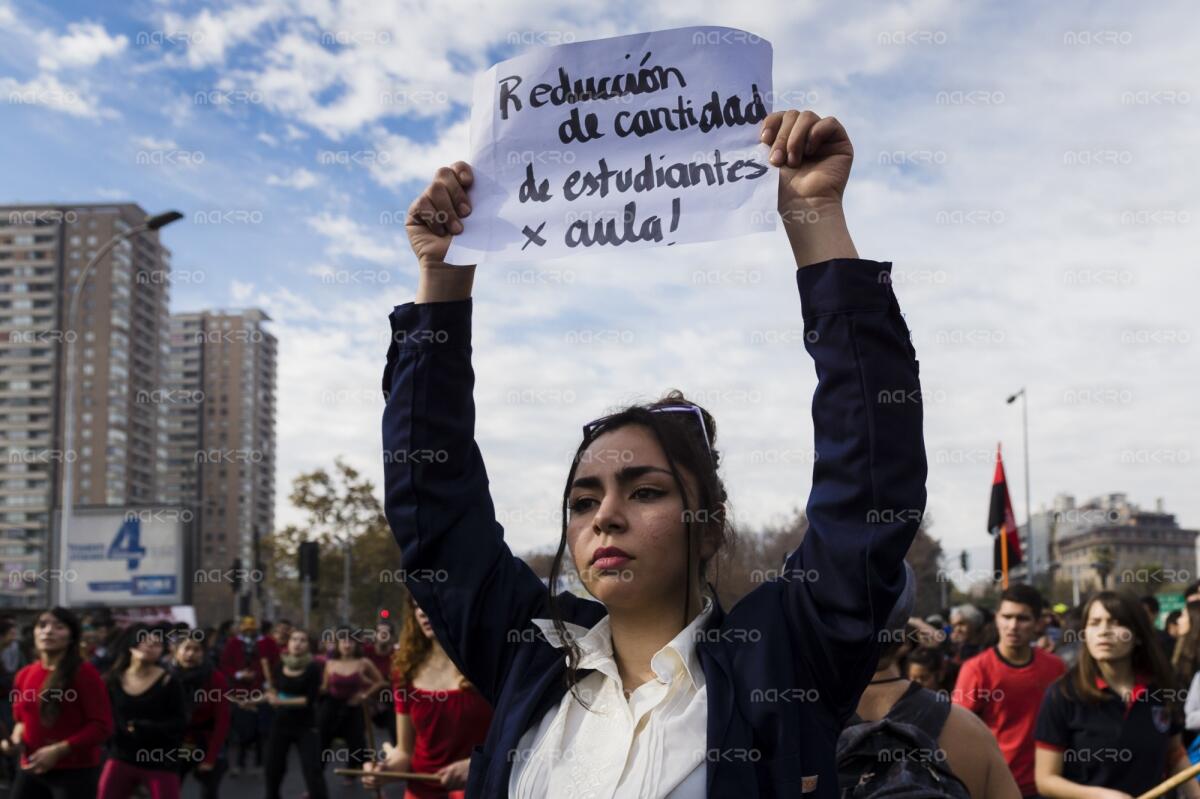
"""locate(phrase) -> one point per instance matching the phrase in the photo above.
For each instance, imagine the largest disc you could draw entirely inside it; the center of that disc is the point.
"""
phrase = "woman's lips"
(610, 562)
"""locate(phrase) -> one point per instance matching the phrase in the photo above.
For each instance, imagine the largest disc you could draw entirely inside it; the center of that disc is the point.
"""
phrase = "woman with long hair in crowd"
(149, 714)
(440, 717)
(61, 714)
(293, 692)
(205, 688)
(349, 680)
(1185, 659)
(1109, 727)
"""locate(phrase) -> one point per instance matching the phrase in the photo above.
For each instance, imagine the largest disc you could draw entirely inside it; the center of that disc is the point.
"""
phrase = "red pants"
(119, 780)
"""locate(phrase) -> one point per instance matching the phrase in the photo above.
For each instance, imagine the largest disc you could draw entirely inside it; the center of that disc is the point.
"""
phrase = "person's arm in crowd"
(97, 712)
(222, 718)
(975, 758)
(374, 681)
(398, 757)
(1178, 760)
(1048, 769)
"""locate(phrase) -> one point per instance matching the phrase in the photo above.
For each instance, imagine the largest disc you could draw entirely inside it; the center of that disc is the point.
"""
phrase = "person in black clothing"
(1109, 728)
(293, 692)
(149, 714)
(965, 744)
(208, 723)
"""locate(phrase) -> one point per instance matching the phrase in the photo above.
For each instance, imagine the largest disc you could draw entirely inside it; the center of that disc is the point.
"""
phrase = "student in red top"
(242, 664)
(62, 715)
(206, 690)
(1109, 729)
(440, 718)
(1004, 685)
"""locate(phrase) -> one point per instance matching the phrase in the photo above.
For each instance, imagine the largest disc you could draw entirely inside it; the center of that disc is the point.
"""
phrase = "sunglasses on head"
(590, 428)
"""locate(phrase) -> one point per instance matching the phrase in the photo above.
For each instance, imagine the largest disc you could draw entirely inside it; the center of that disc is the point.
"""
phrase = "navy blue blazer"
(785, 667)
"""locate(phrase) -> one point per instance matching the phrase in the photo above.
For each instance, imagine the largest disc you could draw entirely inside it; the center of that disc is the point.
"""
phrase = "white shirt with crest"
(650, 746)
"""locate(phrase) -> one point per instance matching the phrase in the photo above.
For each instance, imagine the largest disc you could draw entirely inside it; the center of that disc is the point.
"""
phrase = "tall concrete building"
(221, 441)
(120, 337)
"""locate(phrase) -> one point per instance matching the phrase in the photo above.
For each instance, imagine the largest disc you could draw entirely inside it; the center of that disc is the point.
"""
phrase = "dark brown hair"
(1147, 659)
(63, 676)
(1186, 657)
(679, 435)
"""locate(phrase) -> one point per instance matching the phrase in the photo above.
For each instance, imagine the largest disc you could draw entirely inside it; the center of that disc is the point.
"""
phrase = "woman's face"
(149, 647)
(922, 676)
(1107, 639)
(50, 635)
(189, 653)
(345, 646)
(297, 643)
(423, 622)
(625, 527)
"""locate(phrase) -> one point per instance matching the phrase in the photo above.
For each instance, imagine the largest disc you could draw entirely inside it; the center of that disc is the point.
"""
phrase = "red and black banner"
(1001, 520)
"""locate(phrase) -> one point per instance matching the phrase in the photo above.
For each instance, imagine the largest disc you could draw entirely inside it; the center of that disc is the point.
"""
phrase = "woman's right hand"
(393, 760)
(437, 213)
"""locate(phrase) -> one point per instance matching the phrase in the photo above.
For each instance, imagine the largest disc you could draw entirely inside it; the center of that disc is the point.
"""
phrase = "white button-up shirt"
(651, 745)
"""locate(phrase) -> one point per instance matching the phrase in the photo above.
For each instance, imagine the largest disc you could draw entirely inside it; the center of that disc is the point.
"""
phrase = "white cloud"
(268, 139)
(400, 159)
(83, 45)
(48, 91)
(152, 143)
(347, 237)
(299, 179)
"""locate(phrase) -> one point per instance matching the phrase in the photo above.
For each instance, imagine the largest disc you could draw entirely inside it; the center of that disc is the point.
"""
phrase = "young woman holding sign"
(654, 689)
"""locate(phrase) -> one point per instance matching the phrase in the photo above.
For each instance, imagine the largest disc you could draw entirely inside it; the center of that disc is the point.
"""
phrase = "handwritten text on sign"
(641, 140)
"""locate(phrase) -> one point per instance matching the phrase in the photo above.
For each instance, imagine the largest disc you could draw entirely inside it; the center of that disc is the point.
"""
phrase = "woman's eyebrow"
(626, 474)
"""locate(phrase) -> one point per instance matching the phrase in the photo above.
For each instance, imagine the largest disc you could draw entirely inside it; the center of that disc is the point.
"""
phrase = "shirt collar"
(1140, 686)
(595, 646)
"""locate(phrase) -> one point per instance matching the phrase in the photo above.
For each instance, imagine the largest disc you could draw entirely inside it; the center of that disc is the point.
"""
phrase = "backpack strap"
(923, 709)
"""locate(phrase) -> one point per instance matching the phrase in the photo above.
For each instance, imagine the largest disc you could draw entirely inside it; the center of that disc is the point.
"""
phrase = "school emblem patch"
(1161, 717)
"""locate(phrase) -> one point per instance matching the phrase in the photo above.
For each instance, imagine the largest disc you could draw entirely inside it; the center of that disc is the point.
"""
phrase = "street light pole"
(68, 482)
(1028, 515)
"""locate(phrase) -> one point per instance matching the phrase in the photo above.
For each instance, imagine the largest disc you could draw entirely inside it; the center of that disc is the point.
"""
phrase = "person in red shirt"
(242, 664)
(1004, 685)
(440, 717)
(207, 693)
(61, 713)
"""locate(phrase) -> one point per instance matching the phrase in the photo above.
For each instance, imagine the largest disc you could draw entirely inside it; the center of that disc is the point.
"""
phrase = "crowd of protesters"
(1022, 700)
(96, 708)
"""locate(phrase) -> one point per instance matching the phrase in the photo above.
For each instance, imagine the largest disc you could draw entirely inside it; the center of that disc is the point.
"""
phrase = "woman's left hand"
(46, 758)
(454, 776)
(813, 154)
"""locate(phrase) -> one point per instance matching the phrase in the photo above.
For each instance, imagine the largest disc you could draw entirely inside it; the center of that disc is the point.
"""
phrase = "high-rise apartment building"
(120, 336)
(221, 443)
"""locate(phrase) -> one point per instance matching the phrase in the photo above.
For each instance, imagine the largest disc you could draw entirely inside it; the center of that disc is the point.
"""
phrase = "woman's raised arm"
(868, 487)
(478, 596)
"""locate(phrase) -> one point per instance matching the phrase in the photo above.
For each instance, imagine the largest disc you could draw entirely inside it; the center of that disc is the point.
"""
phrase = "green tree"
(341, 513)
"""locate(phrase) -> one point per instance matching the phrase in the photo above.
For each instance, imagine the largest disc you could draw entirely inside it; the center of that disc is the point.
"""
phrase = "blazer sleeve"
(479, 597)
(868, 483)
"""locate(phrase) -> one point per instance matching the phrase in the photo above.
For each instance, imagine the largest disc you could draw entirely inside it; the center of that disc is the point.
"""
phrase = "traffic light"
(308, 561)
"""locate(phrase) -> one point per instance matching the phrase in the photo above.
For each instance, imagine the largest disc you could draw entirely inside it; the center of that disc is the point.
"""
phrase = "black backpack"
(898, 756)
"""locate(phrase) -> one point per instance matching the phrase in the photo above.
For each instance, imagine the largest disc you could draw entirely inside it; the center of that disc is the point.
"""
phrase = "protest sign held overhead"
(650, 139)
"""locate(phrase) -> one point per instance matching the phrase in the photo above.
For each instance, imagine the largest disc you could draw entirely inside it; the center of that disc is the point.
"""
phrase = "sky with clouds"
(1027, 167)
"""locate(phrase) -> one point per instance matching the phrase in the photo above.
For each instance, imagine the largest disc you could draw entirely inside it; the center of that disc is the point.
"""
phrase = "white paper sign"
(644, 140)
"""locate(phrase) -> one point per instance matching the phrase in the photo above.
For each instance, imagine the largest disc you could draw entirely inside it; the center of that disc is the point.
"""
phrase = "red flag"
(1001, 519)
